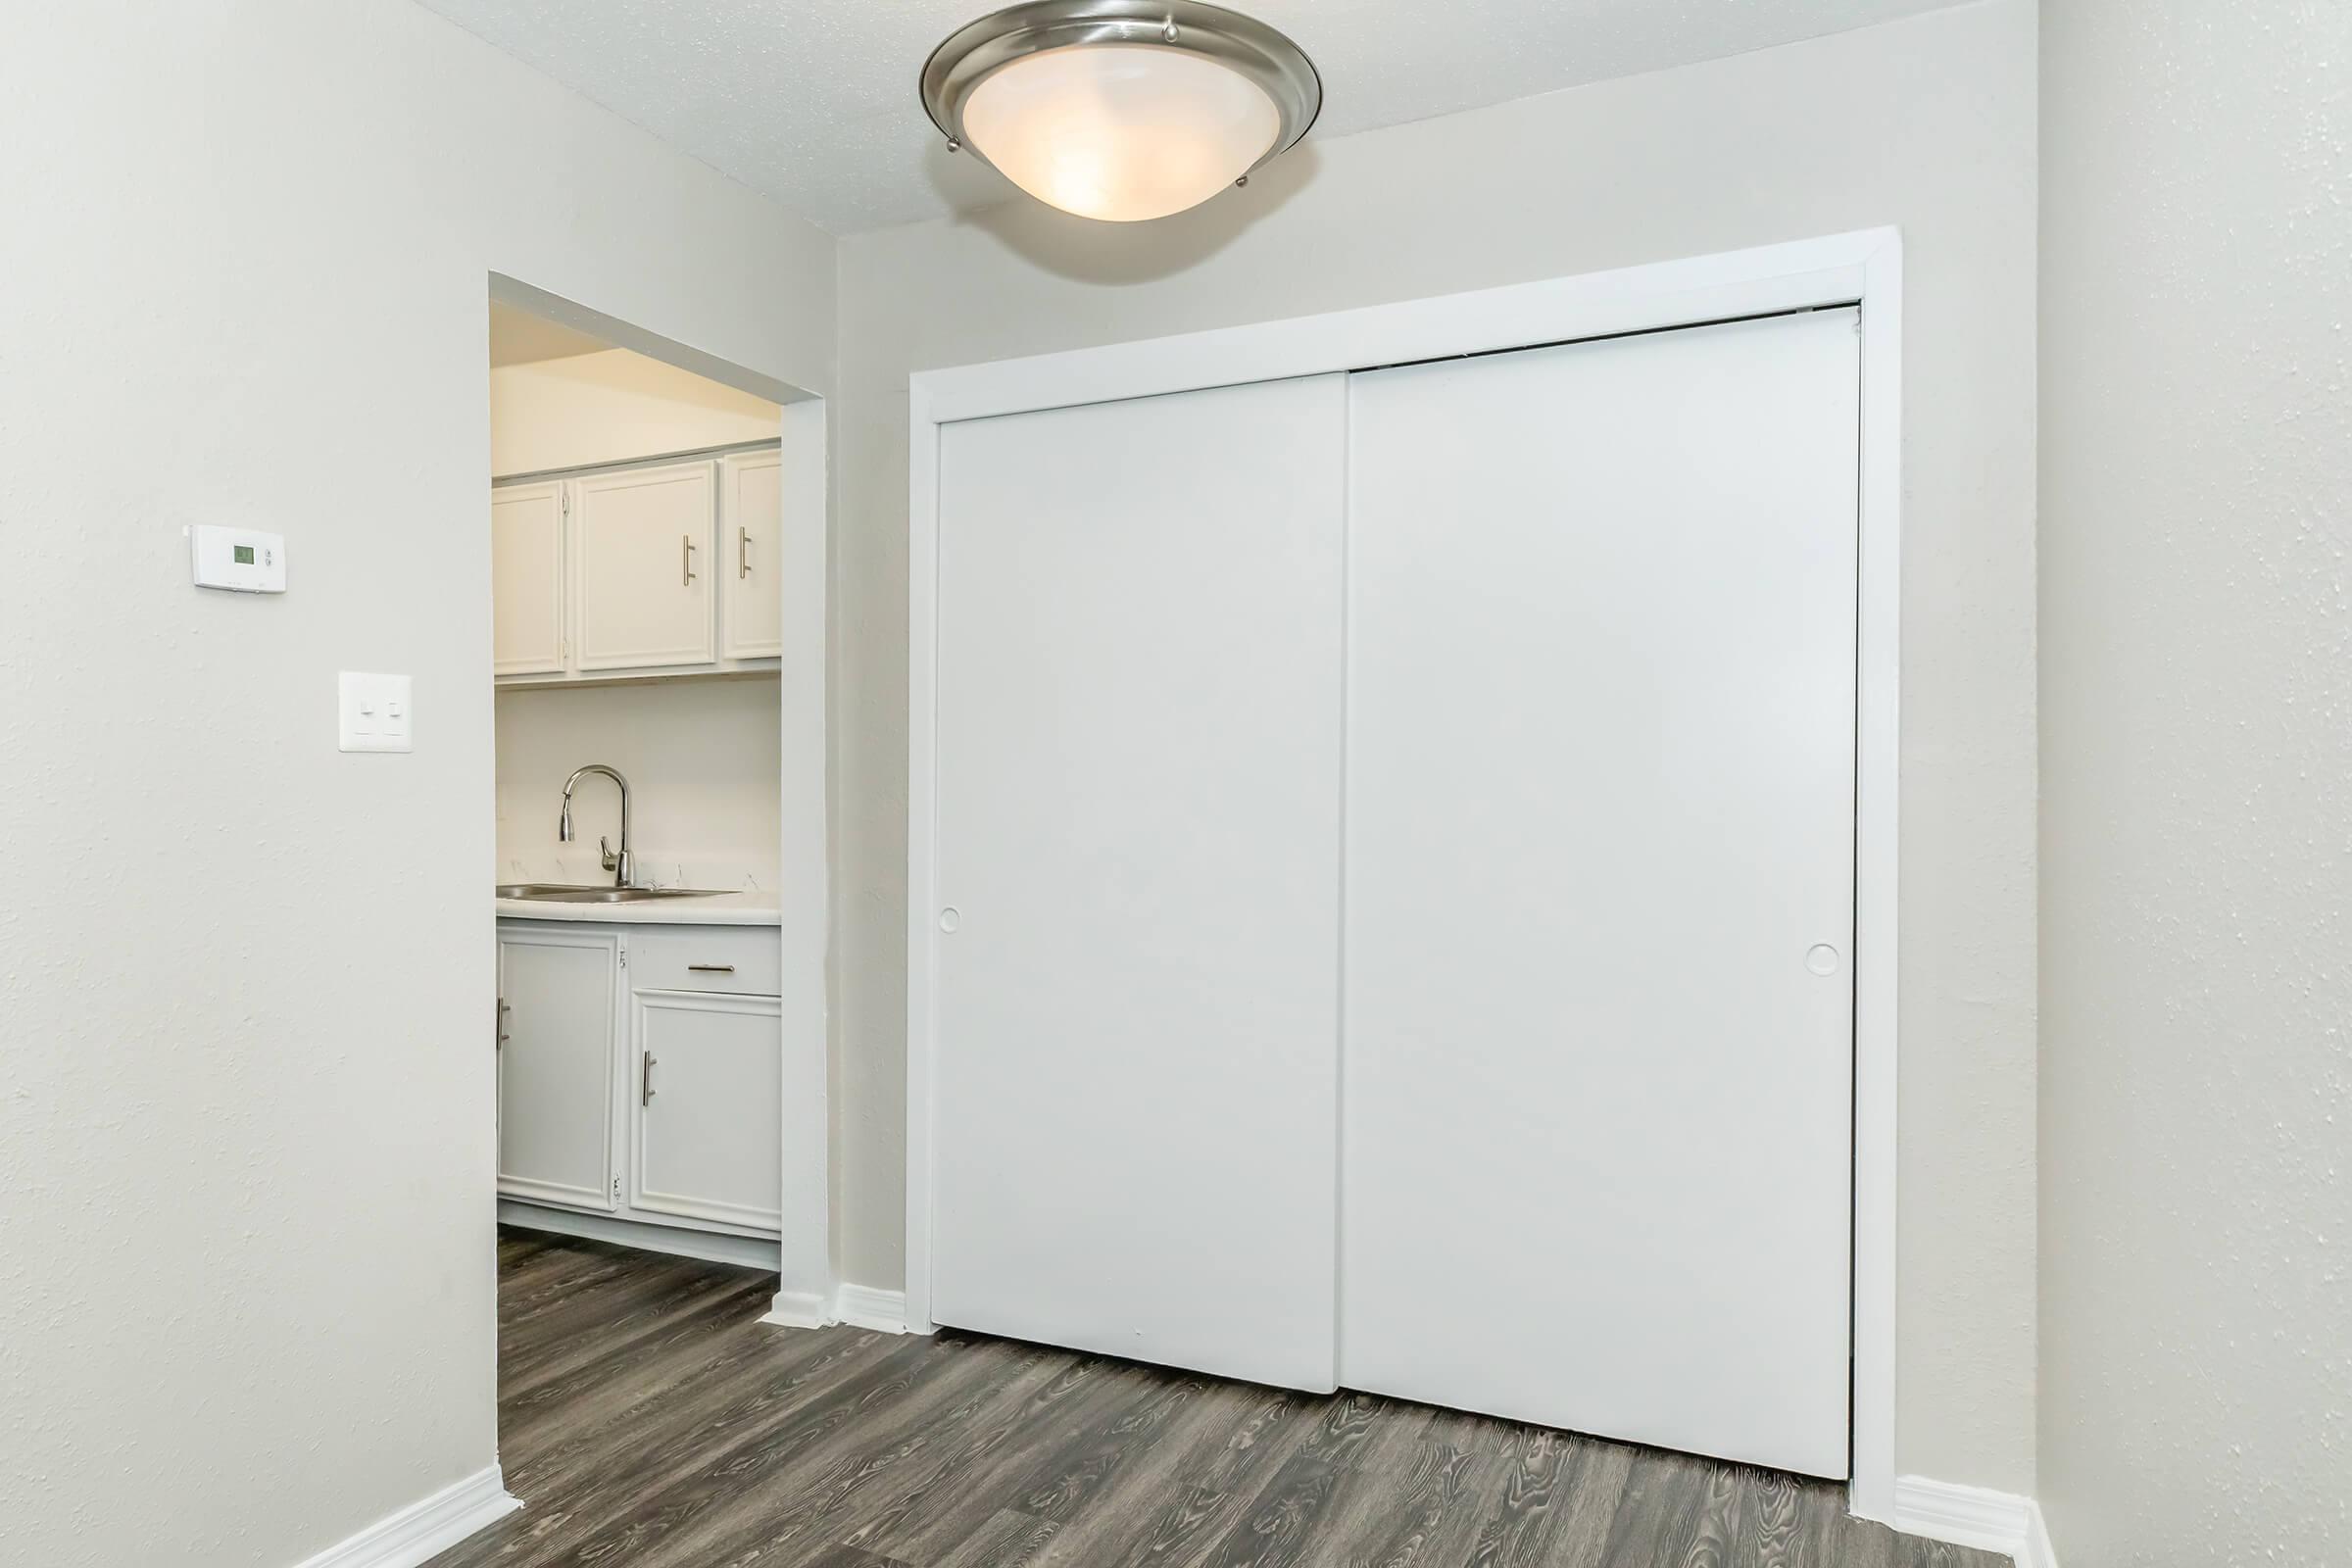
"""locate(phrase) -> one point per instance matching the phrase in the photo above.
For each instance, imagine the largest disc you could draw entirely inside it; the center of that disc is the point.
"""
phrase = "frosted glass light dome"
(1120, 110)
(1120, 132)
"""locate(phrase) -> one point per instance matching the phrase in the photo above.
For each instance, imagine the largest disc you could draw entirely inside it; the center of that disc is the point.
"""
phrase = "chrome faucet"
(620, 865)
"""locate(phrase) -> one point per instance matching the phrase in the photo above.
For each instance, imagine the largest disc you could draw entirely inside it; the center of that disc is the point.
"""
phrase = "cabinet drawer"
(748, 960)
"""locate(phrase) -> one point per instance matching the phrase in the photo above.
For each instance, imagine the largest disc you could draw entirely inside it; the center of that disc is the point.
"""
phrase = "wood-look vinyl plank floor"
(647, 1420)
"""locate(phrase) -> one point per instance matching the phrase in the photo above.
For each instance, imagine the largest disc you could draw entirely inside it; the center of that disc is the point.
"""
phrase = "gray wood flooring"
(646, 1419)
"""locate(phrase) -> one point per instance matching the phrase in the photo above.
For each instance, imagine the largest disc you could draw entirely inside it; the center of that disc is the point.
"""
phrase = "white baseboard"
(423, 1530)
(678, 1240)
(1971, 1516)
(799, 1309)
(863, 1307)
(860, 1306)
(2039, 1552)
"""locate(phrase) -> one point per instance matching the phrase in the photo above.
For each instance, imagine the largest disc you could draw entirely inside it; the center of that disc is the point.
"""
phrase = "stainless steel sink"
(568, 893)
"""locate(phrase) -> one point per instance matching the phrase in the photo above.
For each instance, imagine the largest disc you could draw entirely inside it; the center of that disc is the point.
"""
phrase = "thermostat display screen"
(241, 554)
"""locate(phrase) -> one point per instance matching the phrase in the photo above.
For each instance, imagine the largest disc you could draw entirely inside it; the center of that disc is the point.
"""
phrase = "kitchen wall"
(2196, 701)
(1928, 124)
(611, 407)
(702, 757)
(247, 1135)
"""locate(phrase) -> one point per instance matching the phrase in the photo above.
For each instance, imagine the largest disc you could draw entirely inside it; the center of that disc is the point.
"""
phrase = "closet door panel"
(1133, 1092)
(1600, 877)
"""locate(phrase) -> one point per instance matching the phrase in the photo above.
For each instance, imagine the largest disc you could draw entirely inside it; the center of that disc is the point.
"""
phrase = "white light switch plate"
(374, 714)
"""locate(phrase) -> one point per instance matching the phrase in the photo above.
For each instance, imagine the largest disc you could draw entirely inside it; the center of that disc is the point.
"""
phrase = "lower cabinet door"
(709, 1107)
(558, 1000)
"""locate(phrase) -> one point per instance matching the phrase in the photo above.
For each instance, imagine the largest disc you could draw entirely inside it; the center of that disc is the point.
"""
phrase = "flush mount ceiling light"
(1121, 110)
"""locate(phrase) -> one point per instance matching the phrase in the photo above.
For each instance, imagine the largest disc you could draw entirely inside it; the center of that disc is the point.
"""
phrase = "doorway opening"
(656, 523)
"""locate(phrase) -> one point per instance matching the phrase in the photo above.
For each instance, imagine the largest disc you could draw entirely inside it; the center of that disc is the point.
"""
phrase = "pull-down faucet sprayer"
(620, 865)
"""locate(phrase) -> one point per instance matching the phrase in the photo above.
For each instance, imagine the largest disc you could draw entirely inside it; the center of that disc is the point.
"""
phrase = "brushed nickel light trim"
(1244, 44)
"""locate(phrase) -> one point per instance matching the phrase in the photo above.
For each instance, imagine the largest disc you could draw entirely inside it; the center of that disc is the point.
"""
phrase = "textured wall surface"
(2196, 709)
(247, 1302)
(1928, 124)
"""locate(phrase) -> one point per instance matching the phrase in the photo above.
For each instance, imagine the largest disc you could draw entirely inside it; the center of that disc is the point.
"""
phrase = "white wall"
(702, 757)
(247, 1134)
(2196, 688)
(1928, 124)
(611, 407)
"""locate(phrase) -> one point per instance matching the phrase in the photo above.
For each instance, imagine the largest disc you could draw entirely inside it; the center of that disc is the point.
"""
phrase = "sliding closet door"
(1134, 1090)
(1599, 887)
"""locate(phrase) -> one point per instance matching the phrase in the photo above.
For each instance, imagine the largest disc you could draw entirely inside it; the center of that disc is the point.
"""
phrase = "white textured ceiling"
(813, 102)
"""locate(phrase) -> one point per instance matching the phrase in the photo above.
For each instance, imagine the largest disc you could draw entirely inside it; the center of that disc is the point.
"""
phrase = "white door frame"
(806, 1284)
(806, 1280)
(1864, 269)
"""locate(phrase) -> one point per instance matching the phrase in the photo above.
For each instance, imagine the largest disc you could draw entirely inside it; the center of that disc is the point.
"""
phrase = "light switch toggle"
(373, 714)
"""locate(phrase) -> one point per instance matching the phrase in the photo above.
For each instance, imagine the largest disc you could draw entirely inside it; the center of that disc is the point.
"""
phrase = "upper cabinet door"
(751, 488)
(645, 566)
(526, 578)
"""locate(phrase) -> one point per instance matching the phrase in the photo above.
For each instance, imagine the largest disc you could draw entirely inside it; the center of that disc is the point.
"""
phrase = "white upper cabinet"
(652, 569)
(644, 579)
(527, 575)
(750, 489)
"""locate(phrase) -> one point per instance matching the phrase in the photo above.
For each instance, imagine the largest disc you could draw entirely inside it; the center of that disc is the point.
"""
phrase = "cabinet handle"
(503, 1009)
(686, 560)
(712, 969)
(743, 551)
(645, 1082)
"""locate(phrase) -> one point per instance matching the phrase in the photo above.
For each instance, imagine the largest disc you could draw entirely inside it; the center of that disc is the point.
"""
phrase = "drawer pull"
(710, 968)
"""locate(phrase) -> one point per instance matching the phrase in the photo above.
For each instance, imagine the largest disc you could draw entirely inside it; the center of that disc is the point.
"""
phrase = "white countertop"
(718, 908)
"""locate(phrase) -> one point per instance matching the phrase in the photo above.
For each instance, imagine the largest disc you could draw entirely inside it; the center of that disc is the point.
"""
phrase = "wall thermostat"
(240, 560)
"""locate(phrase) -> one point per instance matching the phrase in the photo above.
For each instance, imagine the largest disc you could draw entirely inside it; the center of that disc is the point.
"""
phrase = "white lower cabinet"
(709, 1107)
(661, 1105)
(558, 999)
